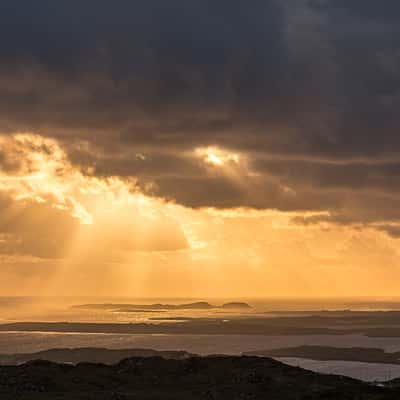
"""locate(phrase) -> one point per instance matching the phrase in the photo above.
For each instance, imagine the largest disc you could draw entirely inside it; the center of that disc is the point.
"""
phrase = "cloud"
(66, 231)
(46, 205)
(306, 91)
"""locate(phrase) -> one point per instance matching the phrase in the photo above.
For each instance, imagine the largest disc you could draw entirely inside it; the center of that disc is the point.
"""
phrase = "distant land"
(89, 354)
(200, 305)
(326, 353)
(197, 378)
(112, 356)
(371, 324)
(193, 326)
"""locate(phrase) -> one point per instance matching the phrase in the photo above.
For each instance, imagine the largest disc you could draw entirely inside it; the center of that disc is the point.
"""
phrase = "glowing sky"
(200, 148)
(63, 230)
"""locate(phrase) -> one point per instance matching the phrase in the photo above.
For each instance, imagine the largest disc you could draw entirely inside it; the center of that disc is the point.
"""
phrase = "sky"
(200, 148)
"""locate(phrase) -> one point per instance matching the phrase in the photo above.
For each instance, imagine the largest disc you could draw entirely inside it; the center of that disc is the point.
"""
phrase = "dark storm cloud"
(136, 61)
(308, 90)
(355, 176)
(361, 9)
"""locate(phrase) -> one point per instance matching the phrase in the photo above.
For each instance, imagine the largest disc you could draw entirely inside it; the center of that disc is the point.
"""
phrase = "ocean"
(17, 309)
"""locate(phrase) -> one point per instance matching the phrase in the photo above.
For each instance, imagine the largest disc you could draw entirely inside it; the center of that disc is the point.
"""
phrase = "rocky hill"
(212, 378)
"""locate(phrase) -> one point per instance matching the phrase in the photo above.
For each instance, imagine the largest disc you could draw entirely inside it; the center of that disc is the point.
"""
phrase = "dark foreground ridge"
(217, 378)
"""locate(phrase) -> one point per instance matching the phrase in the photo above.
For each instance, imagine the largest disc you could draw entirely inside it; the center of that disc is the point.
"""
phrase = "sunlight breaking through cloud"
(216, 156)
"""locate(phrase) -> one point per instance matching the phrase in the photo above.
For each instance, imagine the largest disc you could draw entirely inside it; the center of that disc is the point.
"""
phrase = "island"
(199, 305)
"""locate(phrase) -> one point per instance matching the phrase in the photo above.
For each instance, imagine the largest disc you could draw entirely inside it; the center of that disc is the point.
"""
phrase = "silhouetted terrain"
(89, 354)
(200, 305)
(373, 324)
(217, 378)
(192, 326)
(324, 353)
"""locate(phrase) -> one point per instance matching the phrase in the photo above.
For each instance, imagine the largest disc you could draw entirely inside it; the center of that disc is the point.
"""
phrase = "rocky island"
(199, 305)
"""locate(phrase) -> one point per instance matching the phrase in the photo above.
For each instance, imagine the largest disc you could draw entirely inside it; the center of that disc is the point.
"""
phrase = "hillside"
(89, 354)
(212, 378)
